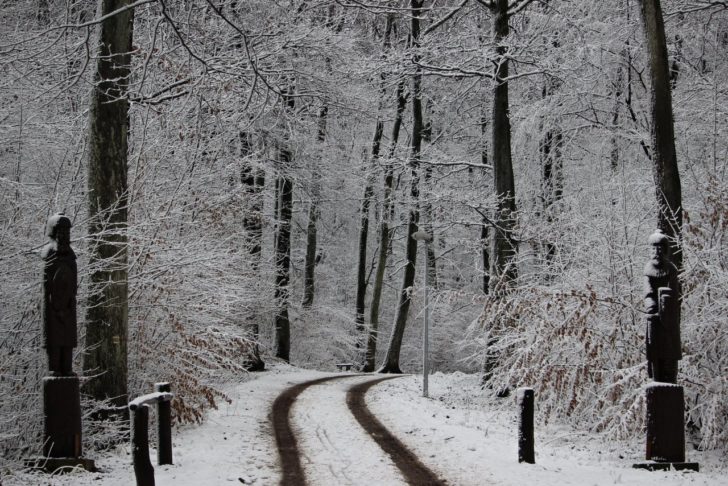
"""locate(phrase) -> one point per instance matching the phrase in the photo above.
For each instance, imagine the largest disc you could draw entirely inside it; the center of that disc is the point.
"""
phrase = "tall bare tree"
(503, 247)
(284, 211)
(107, 309)
(665, 170)
(309, 267)
(391, 361)
(253, 181)
(361, 280)
(384, 232)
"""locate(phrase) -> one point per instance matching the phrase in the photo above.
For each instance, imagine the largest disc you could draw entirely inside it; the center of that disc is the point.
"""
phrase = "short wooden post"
(164, 426)
(143, 469)
(525, 399)
(665, 423)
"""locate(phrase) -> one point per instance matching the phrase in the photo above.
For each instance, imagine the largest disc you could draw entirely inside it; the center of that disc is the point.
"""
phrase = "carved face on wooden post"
(660, 248)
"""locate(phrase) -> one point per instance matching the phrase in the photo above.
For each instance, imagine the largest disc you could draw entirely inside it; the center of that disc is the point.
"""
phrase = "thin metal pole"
(426, 338)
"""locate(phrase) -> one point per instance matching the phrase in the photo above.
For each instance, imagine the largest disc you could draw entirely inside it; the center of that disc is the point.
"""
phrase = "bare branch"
(453, 71)
(445, 18)
(80, 26)
(518, 6)
(697, 7)
(246, 44)
(487, 3)
(459, 163)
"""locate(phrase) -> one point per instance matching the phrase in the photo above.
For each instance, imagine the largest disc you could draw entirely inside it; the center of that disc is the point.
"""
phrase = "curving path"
(285, 438)
(320, 441)
(415, 473)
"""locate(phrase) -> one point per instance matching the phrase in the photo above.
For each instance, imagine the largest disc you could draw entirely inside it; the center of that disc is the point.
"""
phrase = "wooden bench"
(344, 366)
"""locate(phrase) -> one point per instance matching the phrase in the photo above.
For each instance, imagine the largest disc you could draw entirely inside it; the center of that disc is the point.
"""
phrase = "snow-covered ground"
(450, 432)
(470, 446)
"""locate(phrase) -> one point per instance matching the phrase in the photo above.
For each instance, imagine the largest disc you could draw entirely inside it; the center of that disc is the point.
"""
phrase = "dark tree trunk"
(551, 184)
(551, 165)
(664, 159)
(107, 310)
(309, 282)
(484, 229)
(284, 188)
(391, 361)
(253, 181)
(431, 263)
(313, 210)
(617, 94)
(384, 234)
(313, 214)
(361, 285)
(503, 269)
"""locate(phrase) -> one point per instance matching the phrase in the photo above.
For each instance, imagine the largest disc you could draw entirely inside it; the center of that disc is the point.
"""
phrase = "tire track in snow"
(344, 459)
(285, 438)
(416, 473)
(336, 450)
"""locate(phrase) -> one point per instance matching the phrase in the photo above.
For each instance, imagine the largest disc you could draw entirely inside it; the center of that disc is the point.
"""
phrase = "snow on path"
(469, 446)
(453, 433)
(235, 444)
(336, 450)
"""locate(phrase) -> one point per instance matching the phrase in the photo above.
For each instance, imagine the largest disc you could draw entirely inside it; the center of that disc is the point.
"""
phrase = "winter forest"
(244, 179)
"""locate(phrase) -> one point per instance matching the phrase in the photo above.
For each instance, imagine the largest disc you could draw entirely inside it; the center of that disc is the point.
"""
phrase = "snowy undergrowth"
(469, 437)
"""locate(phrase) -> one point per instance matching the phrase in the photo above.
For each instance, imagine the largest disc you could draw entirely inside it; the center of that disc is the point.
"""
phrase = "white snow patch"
(454, 433)
(468, 445)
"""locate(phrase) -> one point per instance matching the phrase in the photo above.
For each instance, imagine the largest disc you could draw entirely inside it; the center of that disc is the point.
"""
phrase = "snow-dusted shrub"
(574, 347)
(578, 338)
(704, 367)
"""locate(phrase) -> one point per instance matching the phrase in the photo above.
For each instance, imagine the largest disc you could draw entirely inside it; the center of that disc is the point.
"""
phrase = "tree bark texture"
(665, 170)
(284, 187)
(431, 263)
(484, 230)
(361, 285)
(313, 215)
(107, 309)
(384, 234)
(503, 248)
(313, 210)
(253, 181)
(617, 90)
(391, 361)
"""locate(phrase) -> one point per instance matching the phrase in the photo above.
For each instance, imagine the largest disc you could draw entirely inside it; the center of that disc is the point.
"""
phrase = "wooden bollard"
(143, 470)
(524, 400)
(164, 426)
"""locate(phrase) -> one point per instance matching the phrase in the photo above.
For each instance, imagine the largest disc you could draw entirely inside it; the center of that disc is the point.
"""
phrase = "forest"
(244, 179)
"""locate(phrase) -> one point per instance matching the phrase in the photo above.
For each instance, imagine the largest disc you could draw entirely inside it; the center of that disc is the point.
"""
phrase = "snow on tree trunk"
(503, 269)
(253, 181)
(284, 197)
(313, 214)
(391, 361)
(361, 284)
(384, 234)
(664, 159)
(107, 310)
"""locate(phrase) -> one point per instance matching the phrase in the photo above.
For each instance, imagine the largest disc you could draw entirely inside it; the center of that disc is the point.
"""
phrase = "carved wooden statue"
(59, 296)
(662, 294)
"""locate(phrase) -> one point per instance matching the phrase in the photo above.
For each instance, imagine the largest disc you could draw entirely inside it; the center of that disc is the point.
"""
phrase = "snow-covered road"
(335, 449)
(453, 433)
